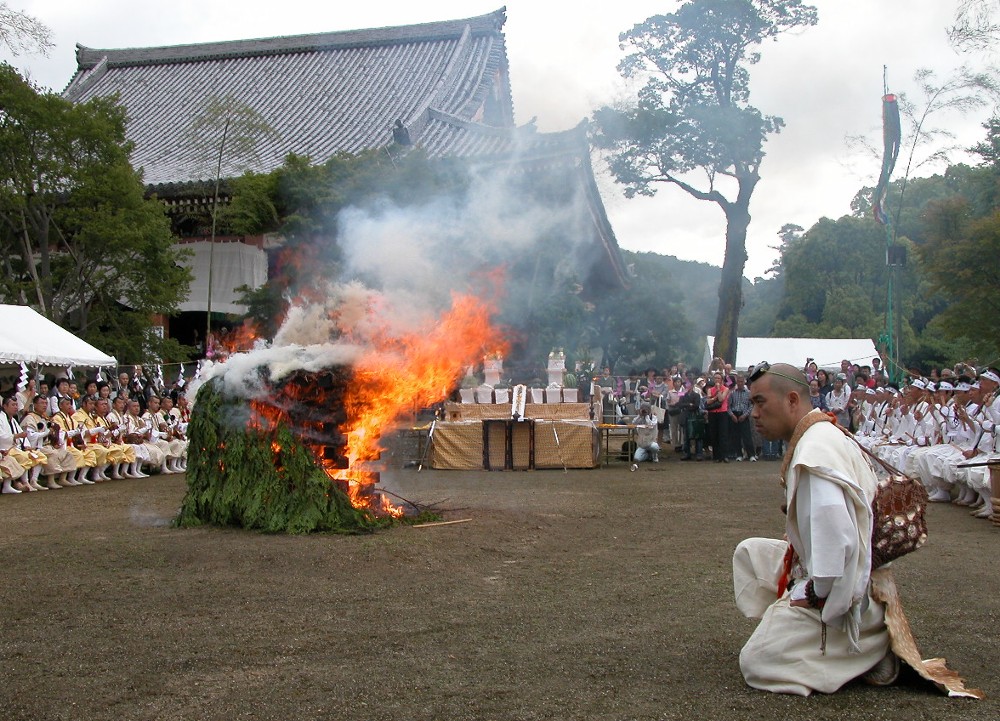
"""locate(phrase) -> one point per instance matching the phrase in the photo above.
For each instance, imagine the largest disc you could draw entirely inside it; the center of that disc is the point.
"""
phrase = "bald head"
(786, 378)
(780, 400)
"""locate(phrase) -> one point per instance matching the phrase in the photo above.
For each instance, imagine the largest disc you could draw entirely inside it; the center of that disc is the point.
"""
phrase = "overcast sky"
(826, 82)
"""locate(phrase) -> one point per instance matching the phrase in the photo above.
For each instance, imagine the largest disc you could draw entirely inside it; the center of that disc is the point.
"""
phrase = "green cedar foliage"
(236, 479)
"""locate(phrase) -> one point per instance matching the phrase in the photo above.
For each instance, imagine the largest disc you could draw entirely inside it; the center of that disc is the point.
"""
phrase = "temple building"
(442, 87)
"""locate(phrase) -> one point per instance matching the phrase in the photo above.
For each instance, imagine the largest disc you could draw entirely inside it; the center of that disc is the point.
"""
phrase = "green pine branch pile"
(235, 478)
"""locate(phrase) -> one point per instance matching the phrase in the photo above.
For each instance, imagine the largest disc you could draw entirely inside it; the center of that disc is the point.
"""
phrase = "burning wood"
(265, 422)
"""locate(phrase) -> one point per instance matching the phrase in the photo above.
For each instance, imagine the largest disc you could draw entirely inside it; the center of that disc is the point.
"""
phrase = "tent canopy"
(827, 352)
(29, 337)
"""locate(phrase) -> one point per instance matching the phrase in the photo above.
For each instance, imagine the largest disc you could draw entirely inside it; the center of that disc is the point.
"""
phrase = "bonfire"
(288, 437)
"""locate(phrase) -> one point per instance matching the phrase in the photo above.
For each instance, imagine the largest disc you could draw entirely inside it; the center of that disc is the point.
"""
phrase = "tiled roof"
(338, 92)
(320, 94)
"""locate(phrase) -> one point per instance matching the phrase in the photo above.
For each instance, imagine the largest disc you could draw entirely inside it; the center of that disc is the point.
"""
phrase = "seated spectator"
(25, 398)
(18, 469)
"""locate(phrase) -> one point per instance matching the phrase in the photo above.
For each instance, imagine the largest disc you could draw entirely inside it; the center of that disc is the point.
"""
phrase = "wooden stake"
(440, 523)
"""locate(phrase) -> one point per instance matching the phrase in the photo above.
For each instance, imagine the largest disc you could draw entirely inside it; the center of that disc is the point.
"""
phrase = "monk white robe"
(19, 449)
(978, 478)
(145, 451)
(829, 523)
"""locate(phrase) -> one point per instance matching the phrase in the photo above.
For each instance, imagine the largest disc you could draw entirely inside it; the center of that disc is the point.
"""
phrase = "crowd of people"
(55, 435)
(924, 423)
(698, 415)
(943, 433)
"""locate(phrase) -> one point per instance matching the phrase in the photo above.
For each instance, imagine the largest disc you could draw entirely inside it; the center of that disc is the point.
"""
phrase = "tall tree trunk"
(727, 322)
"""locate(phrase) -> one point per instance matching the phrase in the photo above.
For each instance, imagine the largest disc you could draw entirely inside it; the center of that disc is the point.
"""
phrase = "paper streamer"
(23, 381)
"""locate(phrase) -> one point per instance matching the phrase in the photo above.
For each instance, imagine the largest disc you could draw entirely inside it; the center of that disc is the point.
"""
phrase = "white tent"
(29, 337)
(827, 352)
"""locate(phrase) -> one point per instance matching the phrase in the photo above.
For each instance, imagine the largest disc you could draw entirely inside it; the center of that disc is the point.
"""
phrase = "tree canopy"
(80, 242)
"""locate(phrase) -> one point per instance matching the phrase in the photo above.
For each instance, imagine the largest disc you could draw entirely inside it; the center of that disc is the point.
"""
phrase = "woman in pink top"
(717, 405)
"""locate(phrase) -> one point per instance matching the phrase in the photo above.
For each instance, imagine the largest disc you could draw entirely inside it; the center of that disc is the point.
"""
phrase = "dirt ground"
(598, 594)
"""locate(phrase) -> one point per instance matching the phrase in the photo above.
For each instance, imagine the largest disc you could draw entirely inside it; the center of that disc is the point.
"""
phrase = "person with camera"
(811, 369)
(717, 406)
(645, 435)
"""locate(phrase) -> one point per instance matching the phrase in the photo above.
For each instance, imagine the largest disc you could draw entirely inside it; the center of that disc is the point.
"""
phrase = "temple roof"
(317, 95)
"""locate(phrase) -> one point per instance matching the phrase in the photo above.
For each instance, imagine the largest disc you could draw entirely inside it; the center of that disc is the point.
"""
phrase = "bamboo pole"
(441, 523)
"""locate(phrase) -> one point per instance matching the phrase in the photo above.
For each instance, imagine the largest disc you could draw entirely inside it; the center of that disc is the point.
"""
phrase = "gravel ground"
(599, 594)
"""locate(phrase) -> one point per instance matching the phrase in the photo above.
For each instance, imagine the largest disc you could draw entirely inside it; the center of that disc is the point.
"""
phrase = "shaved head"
(787, 378)
(780, 400)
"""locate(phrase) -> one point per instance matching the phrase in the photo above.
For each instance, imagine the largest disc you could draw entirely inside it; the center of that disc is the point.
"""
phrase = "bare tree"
(22, 33)
(975, 27)
(928, 140)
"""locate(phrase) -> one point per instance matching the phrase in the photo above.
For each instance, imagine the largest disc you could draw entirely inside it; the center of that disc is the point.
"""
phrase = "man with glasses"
(820, 628)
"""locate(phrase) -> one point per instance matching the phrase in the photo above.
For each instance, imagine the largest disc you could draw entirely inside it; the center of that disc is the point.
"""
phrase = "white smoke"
(401, 266)
(419, 255)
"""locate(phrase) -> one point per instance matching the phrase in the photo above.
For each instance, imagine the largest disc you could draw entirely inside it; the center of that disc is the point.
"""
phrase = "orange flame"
(239, 339)
(405, 372)
(397, 374)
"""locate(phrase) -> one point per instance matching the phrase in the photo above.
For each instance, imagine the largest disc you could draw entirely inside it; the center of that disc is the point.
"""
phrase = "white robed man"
(94, 434)
(83, 455)
(121, 455)
(988, 449)
(173, 448)
(19, 468)
(137, 431)
(118, 418)
(177, 420)
(820, 627)
(59, 462)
